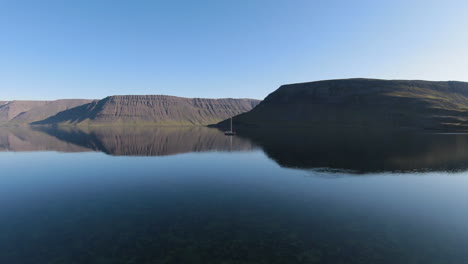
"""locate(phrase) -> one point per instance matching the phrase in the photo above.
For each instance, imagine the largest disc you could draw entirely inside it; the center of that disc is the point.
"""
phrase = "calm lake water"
(193, 195)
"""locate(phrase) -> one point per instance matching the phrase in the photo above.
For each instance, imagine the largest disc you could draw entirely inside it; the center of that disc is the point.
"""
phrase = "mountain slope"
(49, 109)
(10, 110)
(152, 109)
(22, 112)
(362, 102)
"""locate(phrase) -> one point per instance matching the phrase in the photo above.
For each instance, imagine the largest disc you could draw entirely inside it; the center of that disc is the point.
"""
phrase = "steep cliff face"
(20, 112)
(153, 109)
(362, 102)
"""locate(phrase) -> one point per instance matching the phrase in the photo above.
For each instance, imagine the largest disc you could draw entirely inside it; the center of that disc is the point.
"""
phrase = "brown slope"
(12, 109)
(153, 109)
(362, 103)
(49, 109)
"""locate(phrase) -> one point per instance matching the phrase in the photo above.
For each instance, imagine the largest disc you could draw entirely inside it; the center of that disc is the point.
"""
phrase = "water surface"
(192, 195)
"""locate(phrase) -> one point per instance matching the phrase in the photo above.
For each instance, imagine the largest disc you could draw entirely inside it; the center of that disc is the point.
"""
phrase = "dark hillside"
(362, 103)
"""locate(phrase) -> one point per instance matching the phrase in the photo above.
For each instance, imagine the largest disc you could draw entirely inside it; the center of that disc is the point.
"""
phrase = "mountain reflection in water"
(121, 141)
(362, 151)
(351, 150)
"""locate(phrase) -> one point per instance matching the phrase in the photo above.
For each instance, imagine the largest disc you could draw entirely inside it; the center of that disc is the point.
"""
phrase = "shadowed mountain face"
(22, 112)
(121, 141)
(362, 103)
(153, 109)
(362, 150)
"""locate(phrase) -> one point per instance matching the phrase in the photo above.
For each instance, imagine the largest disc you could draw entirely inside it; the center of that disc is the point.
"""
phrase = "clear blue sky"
(216, 48)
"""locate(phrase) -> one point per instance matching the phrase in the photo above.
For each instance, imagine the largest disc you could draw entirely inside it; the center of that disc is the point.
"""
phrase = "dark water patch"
(363, 150)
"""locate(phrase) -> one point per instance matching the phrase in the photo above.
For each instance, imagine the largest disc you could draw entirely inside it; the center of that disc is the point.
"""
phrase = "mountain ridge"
(151, 110)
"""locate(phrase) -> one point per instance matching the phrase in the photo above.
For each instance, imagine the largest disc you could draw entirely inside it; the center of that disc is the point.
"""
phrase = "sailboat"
(230, 132)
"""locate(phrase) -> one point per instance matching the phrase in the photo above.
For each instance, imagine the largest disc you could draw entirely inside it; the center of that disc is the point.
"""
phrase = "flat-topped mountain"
(21, 112)
(362, 103)
(152, 109)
